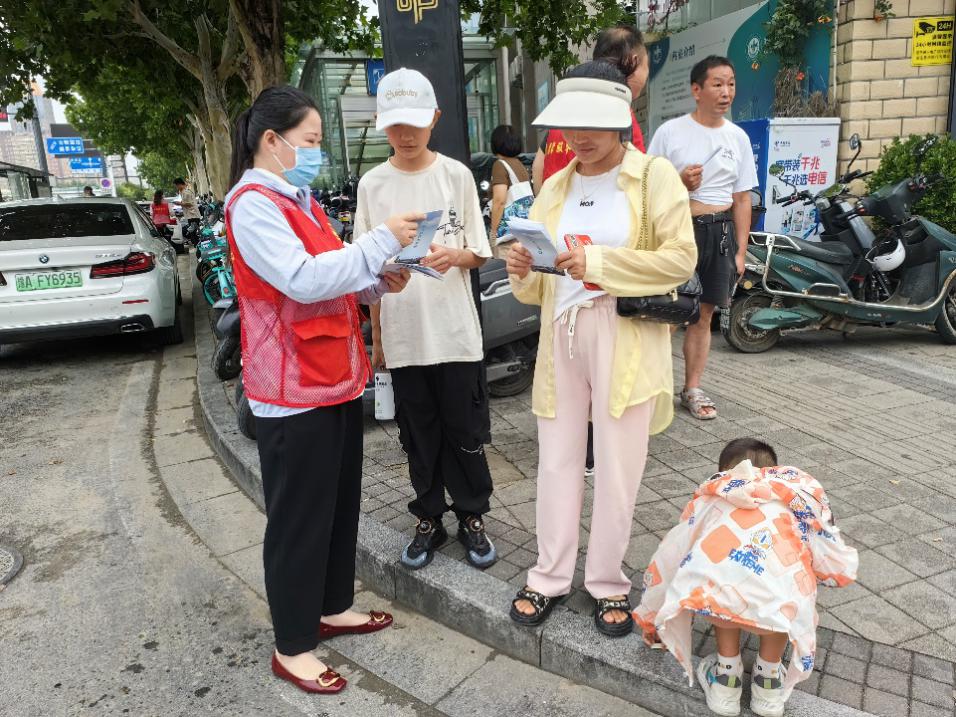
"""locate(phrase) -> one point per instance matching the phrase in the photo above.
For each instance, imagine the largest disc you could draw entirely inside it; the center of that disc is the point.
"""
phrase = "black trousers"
(312, 478)
(440, 412)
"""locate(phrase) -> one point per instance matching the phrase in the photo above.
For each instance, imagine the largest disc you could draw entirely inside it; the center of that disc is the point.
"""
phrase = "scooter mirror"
(855, 141)
(776, 169)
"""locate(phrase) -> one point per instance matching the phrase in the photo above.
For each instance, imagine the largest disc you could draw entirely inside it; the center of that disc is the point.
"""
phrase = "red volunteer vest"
(558, 155)
(297, 355)
(160, 213)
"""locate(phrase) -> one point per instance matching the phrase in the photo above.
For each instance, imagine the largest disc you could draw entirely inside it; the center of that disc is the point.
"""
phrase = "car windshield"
(55, 221)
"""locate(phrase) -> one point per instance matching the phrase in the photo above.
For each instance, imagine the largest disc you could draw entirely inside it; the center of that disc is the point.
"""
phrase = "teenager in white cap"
(589, 359)
(431, 338)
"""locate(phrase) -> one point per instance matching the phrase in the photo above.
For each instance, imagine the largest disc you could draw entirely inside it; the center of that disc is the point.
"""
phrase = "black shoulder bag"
(680, 306)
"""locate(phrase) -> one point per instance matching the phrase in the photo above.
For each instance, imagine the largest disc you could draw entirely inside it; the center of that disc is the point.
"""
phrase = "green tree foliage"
(150, 69)
(158, 170)
(547, 29)
(128, 190)
(899, 161)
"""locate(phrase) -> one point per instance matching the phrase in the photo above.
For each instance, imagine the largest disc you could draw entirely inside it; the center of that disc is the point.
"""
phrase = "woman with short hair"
(507, 171)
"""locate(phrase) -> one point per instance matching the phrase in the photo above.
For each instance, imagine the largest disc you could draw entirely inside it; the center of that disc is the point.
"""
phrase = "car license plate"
(49, 280)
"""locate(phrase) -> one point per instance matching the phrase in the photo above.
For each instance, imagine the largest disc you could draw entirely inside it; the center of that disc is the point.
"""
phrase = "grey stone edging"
(476, 603)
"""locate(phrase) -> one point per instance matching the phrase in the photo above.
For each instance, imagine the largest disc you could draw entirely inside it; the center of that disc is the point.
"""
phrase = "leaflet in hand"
(415, 252)
(394, 267)
(711, 156)
(534, 237)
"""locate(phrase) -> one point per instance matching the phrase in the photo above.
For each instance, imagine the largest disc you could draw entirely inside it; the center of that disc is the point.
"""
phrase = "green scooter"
(851, 277)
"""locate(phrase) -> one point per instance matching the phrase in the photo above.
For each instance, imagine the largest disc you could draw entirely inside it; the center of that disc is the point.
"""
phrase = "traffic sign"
(64, 145)
(87, 163)
(105, 183)
(374, 71)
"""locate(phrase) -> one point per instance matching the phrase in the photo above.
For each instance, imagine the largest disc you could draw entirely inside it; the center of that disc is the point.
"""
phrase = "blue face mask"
(308, 161)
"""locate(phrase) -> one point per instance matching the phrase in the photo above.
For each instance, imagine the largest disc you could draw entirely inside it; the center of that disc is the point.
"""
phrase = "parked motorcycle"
(212, 269)
(851, 277)
(227, 358)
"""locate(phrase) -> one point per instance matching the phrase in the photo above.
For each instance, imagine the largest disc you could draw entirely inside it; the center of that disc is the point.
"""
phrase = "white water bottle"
(384, 397)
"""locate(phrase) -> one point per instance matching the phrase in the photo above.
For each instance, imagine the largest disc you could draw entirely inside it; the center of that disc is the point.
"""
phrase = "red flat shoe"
(328, 683)
(377, 621)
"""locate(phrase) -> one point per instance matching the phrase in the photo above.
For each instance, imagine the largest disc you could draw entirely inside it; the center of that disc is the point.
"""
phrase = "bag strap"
(642, 241)
(511, 173)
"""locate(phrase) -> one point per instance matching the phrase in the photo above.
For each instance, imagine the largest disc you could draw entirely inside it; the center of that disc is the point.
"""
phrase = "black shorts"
(716, 262)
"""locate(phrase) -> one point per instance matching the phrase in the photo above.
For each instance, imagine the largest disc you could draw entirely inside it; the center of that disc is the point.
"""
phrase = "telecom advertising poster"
(739, 36)
(806, 148)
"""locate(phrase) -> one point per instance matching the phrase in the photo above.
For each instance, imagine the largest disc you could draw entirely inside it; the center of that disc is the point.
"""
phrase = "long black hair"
(158, 196)
(276, 108)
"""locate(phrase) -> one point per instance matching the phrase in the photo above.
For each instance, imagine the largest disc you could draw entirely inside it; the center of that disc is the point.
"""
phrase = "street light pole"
(38, 135)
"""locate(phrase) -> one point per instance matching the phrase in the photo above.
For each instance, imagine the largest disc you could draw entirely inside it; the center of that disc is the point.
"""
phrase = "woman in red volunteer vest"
(159, 211)
(304, 370)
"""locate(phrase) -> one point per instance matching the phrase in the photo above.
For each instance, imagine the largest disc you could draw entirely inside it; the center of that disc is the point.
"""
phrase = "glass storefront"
(340, 85)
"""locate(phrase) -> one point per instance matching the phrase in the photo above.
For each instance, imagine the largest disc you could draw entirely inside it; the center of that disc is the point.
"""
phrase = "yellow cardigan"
(643, 366)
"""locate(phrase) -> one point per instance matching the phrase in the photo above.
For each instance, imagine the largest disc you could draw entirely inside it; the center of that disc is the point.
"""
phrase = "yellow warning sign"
(932, 41)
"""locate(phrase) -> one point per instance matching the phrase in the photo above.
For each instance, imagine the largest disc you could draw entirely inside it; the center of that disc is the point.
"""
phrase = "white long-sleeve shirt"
(271, 249)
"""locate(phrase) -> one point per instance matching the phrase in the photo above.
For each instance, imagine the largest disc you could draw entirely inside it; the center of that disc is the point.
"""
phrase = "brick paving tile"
(894, 657)
(884, 704)
(888, 680)
(875, 619)
(934, 693)
(918, 557)
(933, 668)
(909, 519)
(839, 690)
(941, 643)
(943, 539)
(849, 668)
(865, 529)
(811, 685)
(925, 602)
(849, 645)
(878, 573)
(921, 709)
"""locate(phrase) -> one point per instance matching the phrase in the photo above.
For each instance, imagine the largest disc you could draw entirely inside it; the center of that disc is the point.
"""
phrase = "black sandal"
(613, 629)
(542, 604)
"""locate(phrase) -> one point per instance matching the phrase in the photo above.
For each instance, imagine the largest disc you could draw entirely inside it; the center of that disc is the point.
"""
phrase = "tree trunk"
(196, 144)
(260, 24)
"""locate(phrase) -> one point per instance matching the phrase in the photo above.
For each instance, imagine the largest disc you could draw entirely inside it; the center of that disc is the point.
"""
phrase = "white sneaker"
(722, 692)
(767, 696)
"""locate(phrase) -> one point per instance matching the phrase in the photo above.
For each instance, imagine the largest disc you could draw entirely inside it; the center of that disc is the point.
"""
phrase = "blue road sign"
(81, 163)
(65, 145)
(374, 71)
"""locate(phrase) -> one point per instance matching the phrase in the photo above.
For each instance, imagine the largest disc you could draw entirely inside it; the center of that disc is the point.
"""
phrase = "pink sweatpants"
(583, 354)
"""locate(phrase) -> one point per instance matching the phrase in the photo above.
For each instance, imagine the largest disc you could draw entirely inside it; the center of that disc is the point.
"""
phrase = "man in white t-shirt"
(716, 162)
(430, 339)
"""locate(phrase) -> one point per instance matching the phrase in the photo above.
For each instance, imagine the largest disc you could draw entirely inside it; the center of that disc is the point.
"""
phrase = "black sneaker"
(429, 536)
(479, 549)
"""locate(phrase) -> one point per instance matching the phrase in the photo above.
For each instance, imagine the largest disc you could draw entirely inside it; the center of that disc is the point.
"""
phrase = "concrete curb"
(475, 603)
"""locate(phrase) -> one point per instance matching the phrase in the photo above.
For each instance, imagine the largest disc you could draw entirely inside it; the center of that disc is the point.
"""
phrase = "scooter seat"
(829, 252)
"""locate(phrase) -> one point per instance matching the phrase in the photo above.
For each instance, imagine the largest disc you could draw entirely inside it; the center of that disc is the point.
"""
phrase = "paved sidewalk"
(870, 416)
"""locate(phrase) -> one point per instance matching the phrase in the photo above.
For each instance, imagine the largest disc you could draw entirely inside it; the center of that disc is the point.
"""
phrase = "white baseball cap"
(405, 97)
(588, 103)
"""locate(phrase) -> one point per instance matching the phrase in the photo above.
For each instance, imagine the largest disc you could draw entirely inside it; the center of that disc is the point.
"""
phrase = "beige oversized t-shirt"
(431, 321)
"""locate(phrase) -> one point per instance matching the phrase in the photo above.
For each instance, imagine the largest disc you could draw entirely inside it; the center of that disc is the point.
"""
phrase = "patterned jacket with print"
(749, 548)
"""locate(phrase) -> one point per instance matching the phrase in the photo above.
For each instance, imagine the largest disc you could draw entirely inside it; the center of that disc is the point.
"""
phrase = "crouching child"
(747, 554)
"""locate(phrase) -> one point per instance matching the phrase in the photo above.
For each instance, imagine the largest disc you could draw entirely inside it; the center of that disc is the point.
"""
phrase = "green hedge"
(898, 161)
